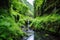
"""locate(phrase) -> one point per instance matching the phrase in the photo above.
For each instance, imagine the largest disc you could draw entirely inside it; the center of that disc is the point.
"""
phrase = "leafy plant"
(50, 23)
(9, 30)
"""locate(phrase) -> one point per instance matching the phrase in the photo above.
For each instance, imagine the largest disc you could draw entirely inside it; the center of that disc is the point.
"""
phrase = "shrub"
(50, 23)
(9, 30)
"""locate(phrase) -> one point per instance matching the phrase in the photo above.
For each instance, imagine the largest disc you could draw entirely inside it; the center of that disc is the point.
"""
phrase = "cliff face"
(46, 7)
(29, 5)
(47, 11)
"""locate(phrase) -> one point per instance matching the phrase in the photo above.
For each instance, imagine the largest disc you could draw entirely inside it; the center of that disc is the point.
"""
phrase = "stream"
(29, 32)
(31, 35)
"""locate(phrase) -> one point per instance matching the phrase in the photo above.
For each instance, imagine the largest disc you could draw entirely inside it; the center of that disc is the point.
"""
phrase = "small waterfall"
(29, 32)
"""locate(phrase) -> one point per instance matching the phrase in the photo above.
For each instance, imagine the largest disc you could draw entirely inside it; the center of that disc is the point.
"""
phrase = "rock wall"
(46, 7)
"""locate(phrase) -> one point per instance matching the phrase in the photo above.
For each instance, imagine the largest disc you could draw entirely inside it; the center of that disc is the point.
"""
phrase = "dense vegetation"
(47, 19)
(15, 13)
(43, 7)
(47, 14)
(49, 23)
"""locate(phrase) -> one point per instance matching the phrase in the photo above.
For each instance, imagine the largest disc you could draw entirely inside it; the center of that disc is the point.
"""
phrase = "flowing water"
(31, 37)
(29, 32)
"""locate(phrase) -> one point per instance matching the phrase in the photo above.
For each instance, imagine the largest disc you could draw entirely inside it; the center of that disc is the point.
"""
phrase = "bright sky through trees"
(30, 1)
